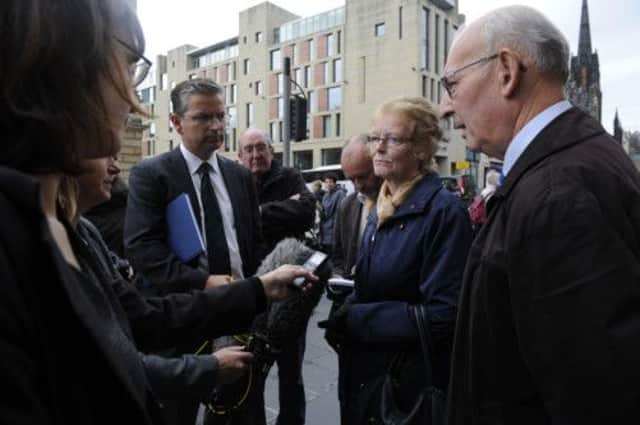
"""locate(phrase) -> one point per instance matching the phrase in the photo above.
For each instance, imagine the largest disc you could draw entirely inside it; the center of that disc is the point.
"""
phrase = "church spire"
(584, 43)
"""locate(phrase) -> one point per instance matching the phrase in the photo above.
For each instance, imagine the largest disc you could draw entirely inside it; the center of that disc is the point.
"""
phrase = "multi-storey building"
(345, 61)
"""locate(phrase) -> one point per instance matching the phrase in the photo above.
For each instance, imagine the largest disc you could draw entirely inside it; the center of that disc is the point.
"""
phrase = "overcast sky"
(615, 34)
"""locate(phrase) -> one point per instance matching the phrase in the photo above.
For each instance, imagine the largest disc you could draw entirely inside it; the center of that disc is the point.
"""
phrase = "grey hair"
(182, 92)
(529, 32)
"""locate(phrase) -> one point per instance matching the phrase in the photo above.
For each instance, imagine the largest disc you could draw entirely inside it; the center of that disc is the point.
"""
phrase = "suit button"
(401, 226)
(362, 386)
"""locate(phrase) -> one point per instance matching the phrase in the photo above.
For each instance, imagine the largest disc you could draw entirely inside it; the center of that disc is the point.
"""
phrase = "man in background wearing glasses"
(287, 209)
(548, 324)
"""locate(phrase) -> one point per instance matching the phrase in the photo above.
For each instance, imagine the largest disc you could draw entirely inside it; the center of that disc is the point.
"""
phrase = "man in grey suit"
(351, 219)
(354, 209)
(223, 198)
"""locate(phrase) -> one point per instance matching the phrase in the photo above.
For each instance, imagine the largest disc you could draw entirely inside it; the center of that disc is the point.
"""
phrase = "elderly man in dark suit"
(351, 219)
(548, 326)
(352, 212)
(222, 195)
(287, 209)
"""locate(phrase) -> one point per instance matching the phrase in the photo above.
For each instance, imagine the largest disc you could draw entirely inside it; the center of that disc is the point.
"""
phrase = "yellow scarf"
(387, 203)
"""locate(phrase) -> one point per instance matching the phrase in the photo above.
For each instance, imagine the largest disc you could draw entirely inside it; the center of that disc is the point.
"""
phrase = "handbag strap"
(426, 341)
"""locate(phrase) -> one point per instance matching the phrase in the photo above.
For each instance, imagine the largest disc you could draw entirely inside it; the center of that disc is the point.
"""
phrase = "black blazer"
(345, 251)
(154, 183)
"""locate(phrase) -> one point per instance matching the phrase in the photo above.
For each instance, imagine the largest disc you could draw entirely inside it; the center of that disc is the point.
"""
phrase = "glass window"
(338, 124)
(313, 103)
(331, 44)
(272, 130)
(400, 22)
(232, 71)
(299, 77)
(232, 116)
(331, 156)
(424, 38)
(303, 160)
(258, 37)
(335, 98)
(249, 114)
(326, 73)
(337, 70)
(258, 87)
(312, 49)
(437, 45)
(247, 66)
(378, 30)
(339, 42)
(326, 126)
(307, 76)
(280, 83)
(276, 61)
(280, 107)
(293, 54)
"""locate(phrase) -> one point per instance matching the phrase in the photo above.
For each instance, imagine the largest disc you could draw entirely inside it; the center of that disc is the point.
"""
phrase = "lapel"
(179, 173)
(568, 129)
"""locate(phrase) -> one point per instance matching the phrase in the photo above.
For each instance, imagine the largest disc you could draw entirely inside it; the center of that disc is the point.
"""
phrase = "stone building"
(346, 61)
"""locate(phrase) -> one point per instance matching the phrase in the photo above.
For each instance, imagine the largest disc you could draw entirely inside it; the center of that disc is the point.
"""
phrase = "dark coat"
(416, 257)
(345, 250)
(330, 202)
(58, 361)
(153, 184)
(109, 216)
(549, 324)
(283, 217)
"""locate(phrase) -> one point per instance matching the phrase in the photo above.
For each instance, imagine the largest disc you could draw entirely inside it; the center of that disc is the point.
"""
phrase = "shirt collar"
(529, 132)
(194, 162)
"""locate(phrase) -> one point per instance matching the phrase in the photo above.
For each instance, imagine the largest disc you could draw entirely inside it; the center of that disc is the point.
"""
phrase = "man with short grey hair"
(548, 326)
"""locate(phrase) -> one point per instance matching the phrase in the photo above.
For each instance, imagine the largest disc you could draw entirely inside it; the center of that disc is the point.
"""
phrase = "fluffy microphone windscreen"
(285, 321)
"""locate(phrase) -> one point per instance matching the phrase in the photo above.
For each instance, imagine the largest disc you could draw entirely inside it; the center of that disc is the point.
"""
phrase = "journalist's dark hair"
(55, 58)
(181, 93)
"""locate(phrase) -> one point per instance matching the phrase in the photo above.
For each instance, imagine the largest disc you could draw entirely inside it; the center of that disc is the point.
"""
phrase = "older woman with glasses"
(413, 252)
(66, 79)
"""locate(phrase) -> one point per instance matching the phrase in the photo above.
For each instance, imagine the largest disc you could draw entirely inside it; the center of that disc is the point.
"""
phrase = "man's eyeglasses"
(206, 118)
(389, 139)
(140, 68)
(258, 148)
(447, 82)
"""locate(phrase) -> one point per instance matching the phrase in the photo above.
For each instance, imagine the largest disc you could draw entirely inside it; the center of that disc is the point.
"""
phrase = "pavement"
(320, 371)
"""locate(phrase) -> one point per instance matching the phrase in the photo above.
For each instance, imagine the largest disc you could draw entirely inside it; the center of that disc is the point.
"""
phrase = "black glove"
(335, 325)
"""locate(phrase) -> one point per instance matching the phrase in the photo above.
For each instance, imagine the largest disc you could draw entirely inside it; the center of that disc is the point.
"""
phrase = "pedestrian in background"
(330, 202)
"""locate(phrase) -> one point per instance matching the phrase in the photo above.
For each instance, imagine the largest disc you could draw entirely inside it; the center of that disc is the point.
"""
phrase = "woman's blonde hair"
(426, 133)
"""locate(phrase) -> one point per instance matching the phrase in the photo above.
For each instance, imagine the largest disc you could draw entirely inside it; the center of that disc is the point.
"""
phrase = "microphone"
(282, 322)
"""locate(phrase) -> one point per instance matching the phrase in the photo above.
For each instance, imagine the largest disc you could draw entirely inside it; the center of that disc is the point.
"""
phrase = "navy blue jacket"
(416, 257)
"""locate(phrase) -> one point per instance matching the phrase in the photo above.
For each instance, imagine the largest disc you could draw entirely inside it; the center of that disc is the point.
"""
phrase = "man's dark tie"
(217, 250)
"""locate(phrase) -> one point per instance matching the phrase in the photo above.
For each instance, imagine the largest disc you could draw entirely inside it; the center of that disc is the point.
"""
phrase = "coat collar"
(419, 199)
(568, 129)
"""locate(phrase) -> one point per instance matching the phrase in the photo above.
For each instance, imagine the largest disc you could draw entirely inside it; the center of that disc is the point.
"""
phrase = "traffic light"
(298, 118)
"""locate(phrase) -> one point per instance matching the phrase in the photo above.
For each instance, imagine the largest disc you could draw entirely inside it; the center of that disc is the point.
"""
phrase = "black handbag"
(429, 406)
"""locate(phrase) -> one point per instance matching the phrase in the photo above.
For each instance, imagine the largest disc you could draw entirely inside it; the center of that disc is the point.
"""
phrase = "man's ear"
(510, 72)
(176, 121)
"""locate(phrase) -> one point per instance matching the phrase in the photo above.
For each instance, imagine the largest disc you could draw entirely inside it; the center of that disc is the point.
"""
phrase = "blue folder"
(183, 232)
